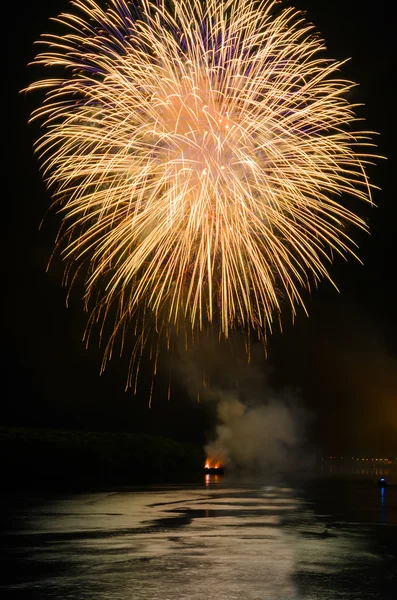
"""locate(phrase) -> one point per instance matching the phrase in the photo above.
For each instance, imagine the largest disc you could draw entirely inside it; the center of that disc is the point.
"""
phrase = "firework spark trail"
(201, 153)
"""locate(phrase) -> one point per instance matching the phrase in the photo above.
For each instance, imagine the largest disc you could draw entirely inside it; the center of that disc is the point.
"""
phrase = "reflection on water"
(218, 541)
(331, 468)
(382, 504)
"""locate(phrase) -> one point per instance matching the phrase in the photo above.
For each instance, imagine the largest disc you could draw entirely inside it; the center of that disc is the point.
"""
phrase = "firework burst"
(201, 154)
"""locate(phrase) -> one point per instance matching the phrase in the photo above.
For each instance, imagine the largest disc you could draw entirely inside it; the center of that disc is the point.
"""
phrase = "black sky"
(342, 360)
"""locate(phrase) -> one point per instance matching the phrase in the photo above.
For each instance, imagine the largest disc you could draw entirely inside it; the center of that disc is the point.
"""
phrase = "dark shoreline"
(81, 460)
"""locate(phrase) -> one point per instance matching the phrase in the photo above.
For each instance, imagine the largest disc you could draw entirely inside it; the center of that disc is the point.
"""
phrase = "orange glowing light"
(213, 465)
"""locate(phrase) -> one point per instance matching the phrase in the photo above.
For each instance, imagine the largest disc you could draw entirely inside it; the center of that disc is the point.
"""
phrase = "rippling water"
(221, 540)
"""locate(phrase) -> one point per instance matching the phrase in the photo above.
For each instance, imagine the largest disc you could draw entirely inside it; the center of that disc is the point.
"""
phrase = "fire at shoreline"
(213, 467)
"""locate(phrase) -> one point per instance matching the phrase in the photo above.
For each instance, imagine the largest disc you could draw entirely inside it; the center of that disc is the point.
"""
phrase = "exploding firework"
(201, 154)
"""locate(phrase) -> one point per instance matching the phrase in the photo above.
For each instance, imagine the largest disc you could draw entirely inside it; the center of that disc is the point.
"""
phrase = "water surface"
(219, 540)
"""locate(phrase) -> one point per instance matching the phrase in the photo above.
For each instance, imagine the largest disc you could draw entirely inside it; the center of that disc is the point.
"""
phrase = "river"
(219, 539)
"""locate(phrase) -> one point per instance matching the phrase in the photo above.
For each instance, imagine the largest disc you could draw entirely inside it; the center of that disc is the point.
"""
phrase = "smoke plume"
(256, 427)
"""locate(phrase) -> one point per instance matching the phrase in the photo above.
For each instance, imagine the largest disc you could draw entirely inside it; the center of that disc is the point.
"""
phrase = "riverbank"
(62, 458)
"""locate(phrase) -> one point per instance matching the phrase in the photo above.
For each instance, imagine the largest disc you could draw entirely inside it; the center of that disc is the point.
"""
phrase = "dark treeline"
(39, 457)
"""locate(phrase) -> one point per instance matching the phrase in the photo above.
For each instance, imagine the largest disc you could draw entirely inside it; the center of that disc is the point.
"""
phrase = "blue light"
(382, 504)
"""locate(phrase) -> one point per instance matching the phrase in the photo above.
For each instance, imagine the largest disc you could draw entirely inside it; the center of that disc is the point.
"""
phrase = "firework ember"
(201, 154)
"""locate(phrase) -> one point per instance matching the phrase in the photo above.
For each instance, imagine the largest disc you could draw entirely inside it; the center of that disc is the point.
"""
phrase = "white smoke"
(262, 437)
(255, 427)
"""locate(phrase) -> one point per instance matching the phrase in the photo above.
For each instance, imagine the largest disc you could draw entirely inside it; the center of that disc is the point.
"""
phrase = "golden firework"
(202, 154)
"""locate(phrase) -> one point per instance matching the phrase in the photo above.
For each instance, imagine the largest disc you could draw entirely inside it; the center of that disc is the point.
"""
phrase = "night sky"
(342, 361)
